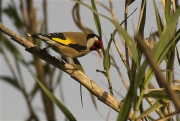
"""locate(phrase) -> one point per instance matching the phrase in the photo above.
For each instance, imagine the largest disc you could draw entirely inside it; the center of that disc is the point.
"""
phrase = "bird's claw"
(71, 67)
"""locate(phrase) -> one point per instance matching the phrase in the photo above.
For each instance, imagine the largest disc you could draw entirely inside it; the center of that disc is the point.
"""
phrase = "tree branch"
(80, 77)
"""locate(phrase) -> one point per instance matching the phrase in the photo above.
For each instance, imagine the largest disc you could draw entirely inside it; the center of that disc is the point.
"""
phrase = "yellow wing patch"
(64, 42)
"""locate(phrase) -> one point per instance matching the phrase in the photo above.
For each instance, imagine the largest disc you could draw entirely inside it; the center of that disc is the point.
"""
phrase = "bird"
(71, 44)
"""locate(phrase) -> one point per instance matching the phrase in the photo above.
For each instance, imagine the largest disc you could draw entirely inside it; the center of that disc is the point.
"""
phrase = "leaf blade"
(65, 111)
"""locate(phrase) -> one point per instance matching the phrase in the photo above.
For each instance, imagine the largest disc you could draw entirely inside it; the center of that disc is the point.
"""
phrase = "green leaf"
(93, 101)
(11, 12)
(161, 94)
(19, 71)
(10, 80)
(159, 50)
(167, 9)
(59, 79)
(158, 19)
(65, 111)
(9, 46)
(106, 61)
(96, 19)
(129, 99)
(152, 108)
(165, 41)
(125, 35)
(162, 47)
(76, 61)
(177, 36)
(126, 107)
(142, 19)
(61, 86)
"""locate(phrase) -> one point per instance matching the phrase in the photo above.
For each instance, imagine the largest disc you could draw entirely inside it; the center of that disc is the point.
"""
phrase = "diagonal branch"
(80, 77)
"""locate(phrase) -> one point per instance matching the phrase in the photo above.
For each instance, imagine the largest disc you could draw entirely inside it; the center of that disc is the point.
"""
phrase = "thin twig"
(112, 11)
(126, 47)
(168, 116)
(45, 15)
(23, 12)
(120, 74)
(77, 19)
(174, 5)
(121, 55)
(102, 5)
(109, 83)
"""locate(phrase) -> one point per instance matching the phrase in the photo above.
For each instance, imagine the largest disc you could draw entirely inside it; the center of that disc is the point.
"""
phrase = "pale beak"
(99, 52)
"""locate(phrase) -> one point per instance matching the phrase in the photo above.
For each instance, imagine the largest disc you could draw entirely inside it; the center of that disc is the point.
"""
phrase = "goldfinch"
(71, 44)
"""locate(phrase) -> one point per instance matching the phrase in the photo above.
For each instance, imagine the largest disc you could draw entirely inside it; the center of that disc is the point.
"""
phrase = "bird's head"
(94, 43)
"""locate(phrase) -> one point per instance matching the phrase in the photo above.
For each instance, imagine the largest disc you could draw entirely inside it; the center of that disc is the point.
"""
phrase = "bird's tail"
(47, 40)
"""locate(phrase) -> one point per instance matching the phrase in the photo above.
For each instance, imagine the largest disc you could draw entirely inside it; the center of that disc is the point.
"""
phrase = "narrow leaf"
(12, 13)
(10, 80)
(94, 101)
(161, 94)
(142, 19)
(9, 46)
(126, 107)
(161, 48)
(65, 111)
(76, 61)
(158, 19)
(165, 42)
(58, 80)
(106, 61)
(96, 19)
(167, 9)
(155, 106)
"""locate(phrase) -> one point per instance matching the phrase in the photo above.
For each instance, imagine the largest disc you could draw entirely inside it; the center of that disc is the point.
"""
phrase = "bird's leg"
(69, 61)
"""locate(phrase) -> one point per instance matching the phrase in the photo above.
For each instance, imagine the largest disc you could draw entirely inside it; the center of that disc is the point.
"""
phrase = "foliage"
(161, 45)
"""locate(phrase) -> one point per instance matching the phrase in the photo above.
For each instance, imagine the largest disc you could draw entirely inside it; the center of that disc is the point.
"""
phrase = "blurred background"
(21, 98)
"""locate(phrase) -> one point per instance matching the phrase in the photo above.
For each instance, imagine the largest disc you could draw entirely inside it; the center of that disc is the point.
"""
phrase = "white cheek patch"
(90, 42)
(95, 38)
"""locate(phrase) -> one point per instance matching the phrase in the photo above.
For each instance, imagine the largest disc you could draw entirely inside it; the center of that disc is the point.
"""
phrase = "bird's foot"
(70, 66)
